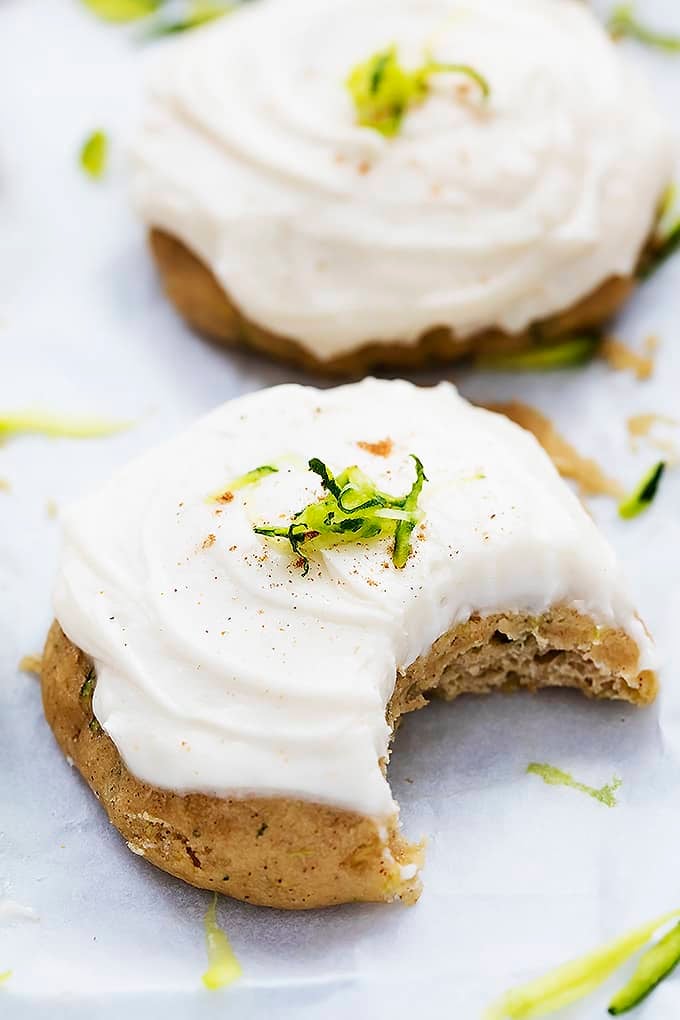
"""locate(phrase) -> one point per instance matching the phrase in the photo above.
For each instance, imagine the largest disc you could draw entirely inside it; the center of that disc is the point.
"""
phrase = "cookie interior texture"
(201, 301)
(295, 854)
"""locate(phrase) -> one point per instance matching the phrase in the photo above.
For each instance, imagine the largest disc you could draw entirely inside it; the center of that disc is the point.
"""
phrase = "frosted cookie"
(245, 612)
(345, 183)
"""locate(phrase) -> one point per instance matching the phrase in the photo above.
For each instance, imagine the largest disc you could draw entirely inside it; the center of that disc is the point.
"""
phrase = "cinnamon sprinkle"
(207, 542)
(383, 448)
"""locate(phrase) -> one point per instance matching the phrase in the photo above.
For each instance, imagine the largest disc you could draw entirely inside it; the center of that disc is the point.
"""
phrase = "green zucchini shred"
(121, 11)
(556, 777)
(89, 684)
(653, 966)
(93, 154)
(622, 22)
(575, 979)
(644, 493)
(56, 426)
(223, 967)
(383, 91)
(200, 13)
(352, 510)
(252, 477)
(570, 353)
(86, 693)
(663, 246)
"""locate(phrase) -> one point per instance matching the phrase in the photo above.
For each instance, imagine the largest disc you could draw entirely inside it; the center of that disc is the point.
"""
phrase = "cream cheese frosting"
(477, 215)
(222, 669)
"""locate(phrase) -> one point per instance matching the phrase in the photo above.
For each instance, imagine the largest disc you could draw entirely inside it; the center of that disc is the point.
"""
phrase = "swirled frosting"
(222, 669)
(478, 214)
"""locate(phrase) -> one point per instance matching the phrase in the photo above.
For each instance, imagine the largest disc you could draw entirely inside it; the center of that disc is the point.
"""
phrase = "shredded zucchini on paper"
(576, 979)
(223, 967)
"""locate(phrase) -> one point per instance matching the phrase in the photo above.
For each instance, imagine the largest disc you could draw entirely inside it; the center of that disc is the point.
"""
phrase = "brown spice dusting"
(622, 358)
(383, 447)
(364, 166)
(591, 479)
(225, 497)
(31, 664)
(233, 548)
(207, 542)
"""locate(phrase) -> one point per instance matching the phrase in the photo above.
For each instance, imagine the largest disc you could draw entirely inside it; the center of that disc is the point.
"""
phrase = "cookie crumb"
(31, 664)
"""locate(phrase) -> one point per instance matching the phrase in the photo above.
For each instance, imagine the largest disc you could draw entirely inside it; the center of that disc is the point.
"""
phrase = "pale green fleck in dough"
(556, 777)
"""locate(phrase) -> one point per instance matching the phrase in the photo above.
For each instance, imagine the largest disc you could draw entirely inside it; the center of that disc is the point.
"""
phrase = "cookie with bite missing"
(245, 613)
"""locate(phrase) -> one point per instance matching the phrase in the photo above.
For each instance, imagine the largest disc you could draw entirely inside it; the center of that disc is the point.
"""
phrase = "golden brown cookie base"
(202, 302)
(290, 853)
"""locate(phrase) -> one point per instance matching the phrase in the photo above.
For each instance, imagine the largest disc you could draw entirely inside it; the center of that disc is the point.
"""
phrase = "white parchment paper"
(519, 875)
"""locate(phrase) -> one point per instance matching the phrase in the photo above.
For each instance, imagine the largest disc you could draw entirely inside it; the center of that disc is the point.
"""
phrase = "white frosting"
(475, 215)
(222, 669)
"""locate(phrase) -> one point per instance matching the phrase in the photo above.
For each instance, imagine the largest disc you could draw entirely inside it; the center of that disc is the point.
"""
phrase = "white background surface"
(519, 875)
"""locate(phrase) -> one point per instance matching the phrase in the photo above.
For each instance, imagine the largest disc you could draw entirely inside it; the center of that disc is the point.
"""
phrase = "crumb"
(31, 664)
(622, 358)
(587, 473)
(640, 427)
(381, 448)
